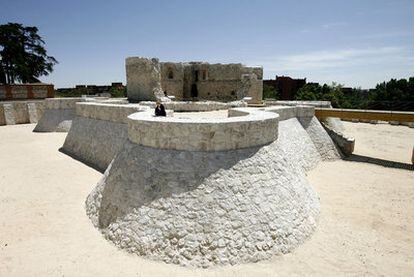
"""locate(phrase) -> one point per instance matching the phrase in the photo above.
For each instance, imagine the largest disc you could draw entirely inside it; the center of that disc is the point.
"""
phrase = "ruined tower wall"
(222, 82)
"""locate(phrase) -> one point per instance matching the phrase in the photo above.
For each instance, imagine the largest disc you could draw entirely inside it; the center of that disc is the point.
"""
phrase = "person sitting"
(160, 110)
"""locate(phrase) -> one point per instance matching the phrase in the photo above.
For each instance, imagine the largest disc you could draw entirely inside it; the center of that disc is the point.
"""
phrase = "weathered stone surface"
(199, 106)
(98, 132)
(206, 208)
(109, 112)
(255, 128)
(198, 80)
(344, 143)
(95, 142)
(322, 141)
(20, 112)
(143, 79)
(52, 118)
(335, 123)
(16, 113)
(57, 110)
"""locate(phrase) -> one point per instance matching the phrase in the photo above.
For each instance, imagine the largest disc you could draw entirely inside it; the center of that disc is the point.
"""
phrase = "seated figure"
(160, 109)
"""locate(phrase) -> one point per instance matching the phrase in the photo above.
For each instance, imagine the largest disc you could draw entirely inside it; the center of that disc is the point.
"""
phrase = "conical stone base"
(208, 208)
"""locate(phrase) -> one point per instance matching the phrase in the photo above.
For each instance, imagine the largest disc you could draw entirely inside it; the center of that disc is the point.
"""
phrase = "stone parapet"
(254, 128)
(108, 112)
(62, 103)
(199, 106)
(20, 112)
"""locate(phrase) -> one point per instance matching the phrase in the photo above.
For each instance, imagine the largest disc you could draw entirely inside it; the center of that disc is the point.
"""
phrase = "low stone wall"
(287, 112)
(253, 129)
(109, 112)
(199, 106)
(58, 115)
(346, 144)
(98, 132)
(20, 112)
(26, 91)
(319, 104)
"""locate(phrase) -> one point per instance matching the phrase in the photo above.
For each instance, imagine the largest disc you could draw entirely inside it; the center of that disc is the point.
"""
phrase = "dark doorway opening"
(196, 76)
(194, 91)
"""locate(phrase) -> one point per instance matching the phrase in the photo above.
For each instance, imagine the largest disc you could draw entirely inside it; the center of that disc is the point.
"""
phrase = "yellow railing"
(365, 114)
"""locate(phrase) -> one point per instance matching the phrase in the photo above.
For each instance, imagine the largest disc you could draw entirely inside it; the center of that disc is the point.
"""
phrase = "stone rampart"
(58, 114)
(98, 132)
(171, 195)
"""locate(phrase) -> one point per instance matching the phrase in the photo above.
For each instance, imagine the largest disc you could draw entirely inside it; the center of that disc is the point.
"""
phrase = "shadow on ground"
(381, 162)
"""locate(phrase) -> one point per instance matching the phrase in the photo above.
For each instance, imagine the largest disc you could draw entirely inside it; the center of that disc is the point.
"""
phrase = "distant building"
(192, 80)
(286, 86)
(92, 89)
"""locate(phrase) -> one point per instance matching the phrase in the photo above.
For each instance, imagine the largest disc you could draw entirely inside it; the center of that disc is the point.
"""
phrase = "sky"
(357, 43)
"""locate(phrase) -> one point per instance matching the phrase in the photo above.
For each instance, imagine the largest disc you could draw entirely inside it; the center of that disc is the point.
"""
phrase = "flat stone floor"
(366, 226)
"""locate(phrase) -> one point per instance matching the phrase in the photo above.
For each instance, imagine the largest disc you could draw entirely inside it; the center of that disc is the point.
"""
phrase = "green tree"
(270, 92)
(314, 91)
(22, 53)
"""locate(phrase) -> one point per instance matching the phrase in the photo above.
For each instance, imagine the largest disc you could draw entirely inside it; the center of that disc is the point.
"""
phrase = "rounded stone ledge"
(109, 112)
(190, 106)
(253, 128)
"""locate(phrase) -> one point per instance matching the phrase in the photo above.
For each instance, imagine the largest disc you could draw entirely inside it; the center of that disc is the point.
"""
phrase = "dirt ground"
(382, 141)
(366, 225)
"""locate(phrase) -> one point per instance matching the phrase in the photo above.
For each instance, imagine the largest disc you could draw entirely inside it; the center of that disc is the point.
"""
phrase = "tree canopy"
(392, 95)
(23, 57)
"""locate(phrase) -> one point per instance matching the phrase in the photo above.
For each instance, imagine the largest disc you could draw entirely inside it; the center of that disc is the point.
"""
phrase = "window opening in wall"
(170, 74)
(194, 91)
(196, 76)
(204, 75)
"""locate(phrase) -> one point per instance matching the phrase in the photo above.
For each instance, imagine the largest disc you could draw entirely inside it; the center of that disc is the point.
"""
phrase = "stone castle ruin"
(197, 191)
(149, 79)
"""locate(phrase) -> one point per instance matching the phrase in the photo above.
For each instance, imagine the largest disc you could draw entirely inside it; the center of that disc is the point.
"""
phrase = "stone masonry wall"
(20, 112)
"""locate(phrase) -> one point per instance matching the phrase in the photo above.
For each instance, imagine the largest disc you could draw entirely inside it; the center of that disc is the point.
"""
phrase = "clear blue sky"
(353, 42)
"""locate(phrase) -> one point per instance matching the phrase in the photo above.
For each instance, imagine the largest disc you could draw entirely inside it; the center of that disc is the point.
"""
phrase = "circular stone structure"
(205, 192)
